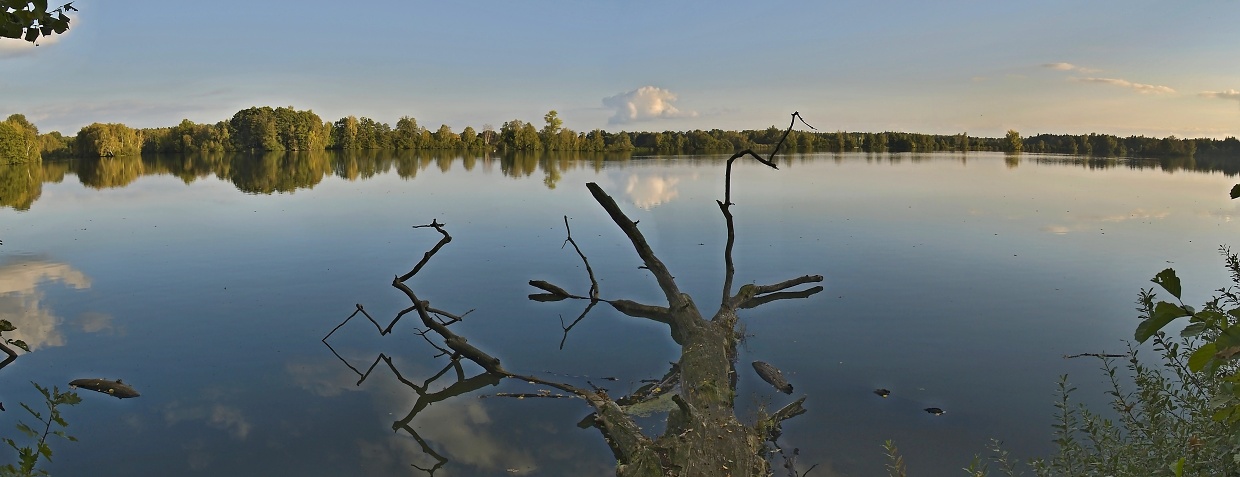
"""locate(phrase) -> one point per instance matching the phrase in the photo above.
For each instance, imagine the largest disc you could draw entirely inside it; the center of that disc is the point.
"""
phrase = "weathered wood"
(772, 375)
(703, 436)
(115, 388)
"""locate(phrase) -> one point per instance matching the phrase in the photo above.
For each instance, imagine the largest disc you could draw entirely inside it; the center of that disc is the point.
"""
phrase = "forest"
(260, 129)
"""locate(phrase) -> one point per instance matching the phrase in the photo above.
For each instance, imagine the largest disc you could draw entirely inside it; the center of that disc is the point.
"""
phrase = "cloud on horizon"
(1069, 67)
(646, 103)
(1230, 95)
(1138, 87)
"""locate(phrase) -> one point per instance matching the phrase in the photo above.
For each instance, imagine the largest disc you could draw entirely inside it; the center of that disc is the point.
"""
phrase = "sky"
(1131, 67)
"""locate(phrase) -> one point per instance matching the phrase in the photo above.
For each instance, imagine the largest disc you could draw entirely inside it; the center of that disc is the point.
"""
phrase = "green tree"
(106, 140)
(621, 142)
(1013, 142)
(518, 135)
(267, 129)
(407, 135)
(444, 138)
(469, 138)
(19, 141)
(551, 130)
(28, 20)
(55, 144)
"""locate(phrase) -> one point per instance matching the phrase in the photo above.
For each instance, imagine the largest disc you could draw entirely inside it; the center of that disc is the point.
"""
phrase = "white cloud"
(1139, 87)
(651, 191)
(21, 299)
(644, 104)
(1230, 94)
(1069, 67)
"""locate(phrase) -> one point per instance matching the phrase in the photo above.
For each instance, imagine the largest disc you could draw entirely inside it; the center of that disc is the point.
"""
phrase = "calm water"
(207, 283)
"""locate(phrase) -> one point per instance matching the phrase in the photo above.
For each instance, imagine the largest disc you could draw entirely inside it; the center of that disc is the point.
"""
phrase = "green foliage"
(187, 138)
(279, 129)
(19, 141)
(28, 20)
(28, 456)
(108, 140)
(5, 326)
(1013, 143)
(895, 462)
(1178, 418)
(1216, 331)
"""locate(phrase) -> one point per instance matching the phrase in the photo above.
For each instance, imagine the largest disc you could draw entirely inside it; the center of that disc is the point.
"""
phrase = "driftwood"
(115, 388)
(703, 436)
(772, 375)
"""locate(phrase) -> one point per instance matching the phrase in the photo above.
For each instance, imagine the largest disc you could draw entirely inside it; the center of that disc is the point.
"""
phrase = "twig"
(589, 271)
(1094, 355)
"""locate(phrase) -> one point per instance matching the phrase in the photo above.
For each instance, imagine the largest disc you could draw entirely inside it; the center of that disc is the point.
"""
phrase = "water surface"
(956, 281)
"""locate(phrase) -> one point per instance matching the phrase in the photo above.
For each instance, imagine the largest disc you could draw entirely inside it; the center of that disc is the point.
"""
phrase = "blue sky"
(1120, 67)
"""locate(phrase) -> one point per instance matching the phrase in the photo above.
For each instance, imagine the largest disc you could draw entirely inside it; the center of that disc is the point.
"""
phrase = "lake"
(208, 283)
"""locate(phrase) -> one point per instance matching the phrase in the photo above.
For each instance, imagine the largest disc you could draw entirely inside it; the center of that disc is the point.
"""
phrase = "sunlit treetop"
(28, 20)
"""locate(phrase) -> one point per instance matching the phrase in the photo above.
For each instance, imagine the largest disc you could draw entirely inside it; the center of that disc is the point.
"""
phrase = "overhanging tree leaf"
(1168, 281)
(1164, 313)
(1198, 360)
(1193, 329)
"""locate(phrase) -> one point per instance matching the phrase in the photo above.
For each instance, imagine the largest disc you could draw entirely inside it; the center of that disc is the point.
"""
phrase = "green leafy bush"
(28, 456)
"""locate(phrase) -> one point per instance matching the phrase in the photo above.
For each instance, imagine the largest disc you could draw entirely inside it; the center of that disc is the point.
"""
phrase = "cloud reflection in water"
(21, 301)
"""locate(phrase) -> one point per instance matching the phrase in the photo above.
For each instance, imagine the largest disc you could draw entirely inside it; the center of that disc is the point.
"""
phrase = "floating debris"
(882, 393)
(116, 388)
(936, 411)
(772, 375)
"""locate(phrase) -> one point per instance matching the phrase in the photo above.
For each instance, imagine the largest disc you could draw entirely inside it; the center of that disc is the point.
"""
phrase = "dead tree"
(703, 436)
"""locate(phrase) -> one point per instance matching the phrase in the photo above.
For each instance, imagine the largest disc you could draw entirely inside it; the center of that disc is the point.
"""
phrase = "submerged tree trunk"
(703, 436)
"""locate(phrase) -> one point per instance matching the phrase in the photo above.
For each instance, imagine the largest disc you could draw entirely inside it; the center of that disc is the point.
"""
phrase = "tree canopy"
(28, 20)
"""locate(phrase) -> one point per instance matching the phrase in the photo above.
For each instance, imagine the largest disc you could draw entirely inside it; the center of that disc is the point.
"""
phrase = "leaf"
(1177, 467)
(1235, 191)
(20, 344)
(1163, 313)
(21, 426)
(1168, 281)
(1193, 329)
(1210, 317)
(6, 325)
(1198, 360)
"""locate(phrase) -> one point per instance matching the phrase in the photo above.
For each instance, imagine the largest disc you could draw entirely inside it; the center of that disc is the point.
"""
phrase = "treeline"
(1105, 145)
(260, 129)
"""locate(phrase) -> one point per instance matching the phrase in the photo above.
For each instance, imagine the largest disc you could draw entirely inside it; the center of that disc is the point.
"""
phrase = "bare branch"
(426, 257)
(11, 355)
(726, 204)
(764, 299)
(640, 310)
(786, 284)
(574, 323)
(589, 271)
(666, 281)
